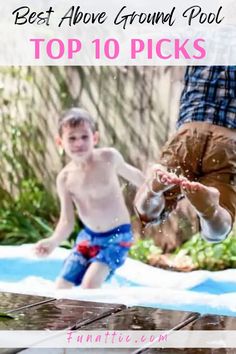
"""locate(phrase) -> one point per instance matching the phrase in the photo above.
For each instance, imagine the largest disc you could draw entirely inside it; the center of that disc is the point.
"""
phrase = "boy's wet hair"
(74, 117)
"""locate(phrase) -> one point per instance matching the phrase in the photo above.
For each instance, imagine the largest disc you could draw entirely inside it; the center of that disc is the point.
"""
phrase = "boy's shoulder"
(62, 175)
(108, 154)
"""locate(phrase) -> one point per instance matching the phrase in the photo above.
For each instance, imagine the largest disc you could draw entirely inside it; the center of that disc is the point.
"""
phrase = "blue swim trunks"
(109, 247)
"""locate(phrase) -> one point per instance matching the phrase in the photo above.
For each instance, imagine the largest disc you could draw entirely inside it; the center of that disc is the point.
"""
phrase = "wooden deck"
(41, 313)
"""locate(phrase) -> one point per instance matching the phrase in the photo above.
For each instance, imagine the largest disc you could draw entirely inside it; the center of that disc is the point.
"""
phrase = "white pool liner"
(157, 286)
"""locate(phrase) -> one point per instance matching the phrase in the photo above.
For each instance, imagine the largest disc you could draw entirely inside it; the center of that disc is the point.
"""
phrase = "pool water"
(14, 270)
(214, 287)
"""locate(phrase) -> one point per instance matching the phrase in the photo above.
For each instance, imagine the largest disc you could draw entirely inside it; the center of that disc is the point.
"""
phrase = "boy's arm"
(127, 171)
(66, 221)
(65, 224)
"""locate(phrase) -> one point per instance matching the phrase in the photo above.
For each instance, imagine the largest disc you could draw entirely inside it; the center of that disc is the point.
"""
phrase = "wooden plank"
(134, 318)
(213, 322)
(204, 322)
(58, 315)
(143, 318)
(10, 302)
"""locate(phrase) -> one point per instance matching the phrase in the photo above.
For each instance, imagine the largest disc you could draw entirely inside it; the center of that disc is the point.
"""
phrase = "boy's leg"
(207, 154)
(95, 275)
(113, 252)
(176, 219)
(182, 155)
(215, 221)
(63, 284)
(72, 271)
(219, 172)
(178, 227)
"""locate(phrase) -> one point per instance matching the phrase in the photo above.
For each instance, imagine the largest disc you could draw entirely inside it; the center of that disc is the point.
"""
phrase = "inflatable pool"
(134, 283)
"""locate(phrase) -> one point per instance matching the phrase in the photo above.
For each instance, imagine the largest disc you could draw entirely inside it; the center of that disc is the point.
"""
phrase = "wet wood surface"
(213, 322)
(202, 323)
(40, 313)
(58, 315)
(12, 301)
(143, 318)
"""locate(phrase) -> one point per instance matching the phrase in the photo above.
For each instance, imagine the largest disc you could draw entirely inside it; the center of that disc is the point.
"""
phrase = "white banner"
(117, 339)
(152, 32)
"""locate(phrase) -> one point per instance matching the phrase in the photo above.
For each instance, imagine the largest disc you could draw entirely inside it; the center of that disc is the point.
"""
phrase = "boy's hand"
(44, 247)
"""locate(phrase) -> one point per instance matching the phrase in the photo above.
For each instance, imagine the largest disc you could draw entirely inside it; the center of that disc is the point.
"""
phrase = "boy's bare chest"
(94, 181)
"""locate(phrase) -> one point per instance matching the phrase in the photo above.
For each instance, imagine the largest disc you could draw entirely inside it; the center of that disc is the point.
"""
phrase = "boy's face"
(78, 142)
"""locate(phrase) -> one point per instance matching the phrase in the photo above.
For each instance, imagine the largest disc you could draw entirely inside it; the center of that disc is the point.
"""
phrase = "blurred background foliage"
(135, 108)
(191, 255)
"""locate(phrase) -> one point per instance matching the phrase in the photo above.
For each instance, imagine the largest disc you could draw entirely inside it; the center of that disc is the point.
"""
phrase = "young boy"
(90, 183)
(197, 175)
